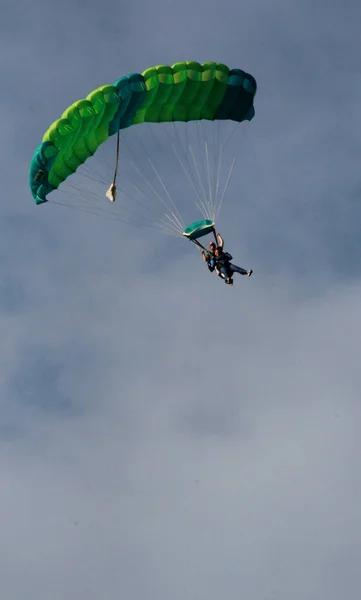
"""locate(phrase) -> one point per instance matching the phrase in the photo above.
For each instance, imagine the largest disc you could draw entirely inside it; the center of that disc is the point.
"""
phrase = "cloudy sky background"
(163, 436)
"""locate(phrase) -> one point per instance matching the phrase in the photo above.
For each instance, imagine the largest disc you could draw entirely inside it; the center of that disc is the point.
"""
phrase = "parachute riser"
(197, 243)
(215, 236)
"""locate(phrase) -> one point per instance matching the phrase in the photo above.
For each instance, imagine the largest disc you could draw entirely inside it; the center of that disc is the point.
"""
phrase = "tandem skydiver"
(220, 261)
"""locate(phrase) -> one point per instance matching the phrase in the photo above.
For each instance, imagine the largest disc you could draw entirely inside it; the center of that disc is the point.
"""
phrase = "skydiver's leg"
(239, 270)
(225, 271)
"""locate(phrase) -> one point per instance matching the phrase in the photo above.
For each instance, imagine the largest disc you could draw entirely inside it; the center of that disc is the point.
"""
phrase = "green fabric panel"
(194, 111)
(131, 90)
(190, 90)
(60, 133)
(151, 80)
(191, 97)
(163, 83)
(81, 117)
(125, 94)
(159, 82)
(219, 77)
(80, 131)
(179, 76)
(186, 91)
(138, 91)
(238, 101)
(105, 101)
(230, 98)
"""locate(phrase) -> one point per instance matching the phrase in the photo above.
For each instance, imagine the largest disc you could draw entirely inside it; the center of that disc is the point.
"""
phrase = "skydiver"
(221, 262)
(209, 254)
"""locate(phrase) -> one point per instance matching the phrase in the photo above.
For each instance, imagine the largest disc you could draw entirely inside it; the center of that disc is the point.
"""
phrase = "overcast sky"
(164, 436)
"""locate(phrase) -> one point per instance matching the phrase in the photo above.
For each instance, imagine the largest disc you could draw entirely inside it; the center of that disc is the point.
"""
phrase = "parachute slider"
(199, 229)
(112, 192)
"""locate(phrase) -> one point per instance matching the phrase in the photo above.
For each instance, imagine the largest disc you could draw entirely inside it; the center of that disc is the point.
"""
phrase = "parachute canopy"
(186, 91)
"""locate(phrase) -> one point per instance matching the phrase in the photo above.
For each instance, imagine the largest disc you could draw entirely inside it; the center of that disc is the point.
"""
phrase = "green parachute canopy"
(186, 91)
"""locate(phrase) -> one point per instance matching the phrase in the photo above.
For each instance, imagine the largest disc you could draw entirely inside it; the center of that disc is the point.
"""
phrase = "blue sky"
(162, 435)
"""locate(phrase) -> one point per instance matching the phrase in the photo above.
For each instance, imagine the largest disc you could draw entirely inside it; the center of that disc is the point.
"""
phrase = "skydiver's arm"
(220, 240)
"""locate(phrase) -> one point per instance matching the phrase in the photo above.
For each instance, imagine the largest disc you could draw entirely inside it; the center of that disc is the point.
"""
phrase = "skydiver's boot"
(229, 281)
(249, 273)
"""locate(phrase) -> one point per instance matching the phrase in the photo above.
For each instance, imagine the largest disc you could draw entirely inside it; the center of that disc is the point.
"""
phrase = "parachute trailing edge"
(186, 91)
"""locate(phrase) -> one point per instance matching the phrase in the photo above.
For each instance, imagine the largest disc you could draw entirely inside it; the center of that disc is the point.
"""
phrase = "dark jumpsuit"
(224, 265)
